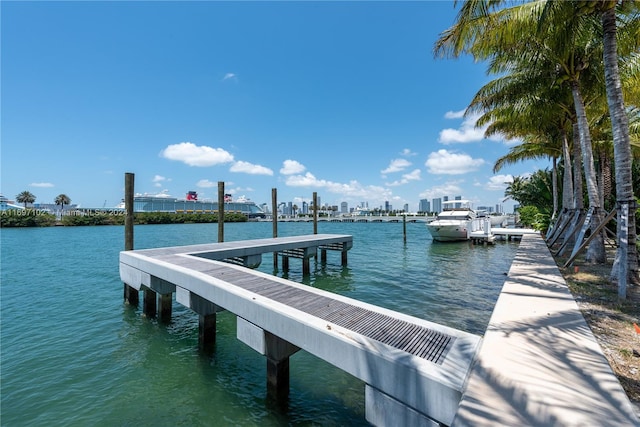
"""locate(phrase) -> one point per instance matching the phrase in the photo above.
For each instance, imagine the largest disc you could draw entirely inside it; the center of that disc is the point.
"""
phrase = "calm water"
(73, 354)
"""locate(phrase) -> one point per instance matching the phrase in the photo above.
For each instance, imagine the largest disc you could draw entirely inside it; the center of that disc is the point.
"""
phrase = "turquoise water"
(73, 354)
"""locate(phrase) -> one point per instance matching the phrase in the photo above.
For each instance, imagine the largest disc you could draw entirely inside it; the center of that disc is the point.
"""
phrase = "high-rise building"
(406, 207)
(437, 205)
(387, 206)
(344, 207)
(424, 206)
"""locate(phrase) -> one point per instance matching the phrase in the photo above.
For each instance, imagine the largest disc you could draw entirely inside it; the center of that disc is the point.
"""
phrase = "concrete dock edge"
(539, 363)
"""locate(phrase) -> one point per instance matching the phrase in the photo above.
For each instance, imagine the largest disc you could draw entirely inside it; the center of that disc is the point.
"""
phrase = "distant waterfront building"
(406, 207)
(437, 205)
(344, 207)
(498, 208)
(387, 206)
(424, 206)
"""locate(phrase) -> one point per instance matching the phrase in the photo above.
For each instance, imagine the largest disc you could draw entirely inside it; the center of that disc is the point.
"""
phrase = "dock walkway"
(539, 363)
(414, 370)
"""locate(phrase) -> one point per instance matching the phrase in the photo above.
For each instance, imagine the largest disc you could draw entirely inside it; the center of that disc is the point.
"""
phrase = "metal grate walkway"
(414, 339)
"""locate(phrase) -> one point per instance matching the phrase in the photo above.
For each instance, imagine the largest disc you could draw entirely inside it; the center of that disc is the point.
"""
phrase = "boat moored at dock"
(453, 224)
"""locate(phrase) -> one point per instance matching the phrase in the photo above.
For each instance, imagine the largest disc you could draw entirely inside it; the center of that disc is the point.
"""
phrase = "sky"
(344, 99)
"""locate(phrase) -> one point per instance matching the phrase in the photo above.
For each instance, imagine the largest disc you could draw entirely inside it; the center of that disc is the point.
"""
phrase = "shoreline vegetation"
(611, 321)
(36, 218)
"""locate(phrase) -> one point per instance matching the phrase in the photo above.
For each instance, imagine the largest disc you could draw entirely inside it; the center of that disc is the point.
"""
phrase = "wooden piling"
(220, 211)
(131, 295)
(274, 215)
(315, 212)
(404, 227)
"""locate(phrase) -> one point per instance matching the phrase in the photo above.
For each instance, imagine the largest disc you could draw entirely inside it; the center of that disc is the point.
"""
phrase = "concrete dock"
(539, 363)
(414, 370)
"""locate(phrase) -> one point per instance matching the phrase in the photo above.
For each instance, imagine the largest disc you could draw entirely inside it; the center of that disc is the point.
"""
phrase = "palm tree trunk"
(595, 253)
(554, 186)
(577, 170)
(621, 148)
(567, 179)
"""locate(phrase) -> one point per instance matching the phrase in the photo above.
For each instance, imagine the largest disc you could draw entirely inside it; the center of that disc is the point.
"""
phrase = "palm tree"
(25, 197)
(567, 36)
(512, 37)
(62, 200)
(622, 150)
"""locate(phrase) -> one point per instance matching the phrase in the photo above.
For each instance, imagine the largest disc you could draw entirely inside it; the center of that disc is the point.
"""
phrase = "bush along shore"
(36, 218)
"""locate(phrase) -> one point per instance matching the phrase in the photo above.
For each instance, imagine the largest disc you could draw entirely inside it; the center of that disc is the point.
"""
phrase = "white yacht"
(453, 224)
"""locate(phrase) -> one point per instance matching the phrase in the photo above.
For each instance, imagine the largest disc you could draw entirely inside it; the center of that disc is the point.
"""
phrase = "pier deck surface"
(239, 248)
(539, 363)
(417, 363)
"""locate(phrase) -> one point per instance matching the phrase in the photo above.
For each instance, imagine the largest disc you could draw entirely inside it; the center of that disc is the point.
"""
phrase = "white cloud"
(407, 153)
(444, 162)
(454, 114)
(250, 168)
(466, 133)
(41, 184)
(498, 182)
(290, 167)
(415, 175)
(396, 165)
(451, 189)
(159, 179)
(229, 76)
(205, 183)
(353, 189)
(196, 155)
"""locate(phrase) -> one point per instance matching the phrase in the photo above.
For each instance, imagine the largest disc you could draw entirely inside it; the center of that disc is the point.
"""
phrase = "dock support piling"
(344, 258)
(277, 352)
(150, 302)
(207, 332)
(315, 212)
(274, 217)
(323, 256)
(130, 294)
(306, 269)
(285, 263)
(220, 211)
(165, 307)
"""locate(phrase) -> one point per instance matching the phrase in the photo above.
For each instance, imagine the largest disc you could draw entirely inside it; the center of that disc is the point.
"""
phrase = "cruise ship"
(191, 204)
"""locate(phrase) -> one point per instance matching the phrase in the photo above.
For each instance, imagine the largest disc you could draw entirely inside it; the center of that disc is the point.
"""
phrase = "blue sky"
(344, 99)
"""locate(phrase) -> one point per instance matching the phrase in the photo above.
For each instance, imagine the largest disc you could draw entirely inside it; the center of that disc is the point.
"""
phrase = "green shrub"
(26, 218)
